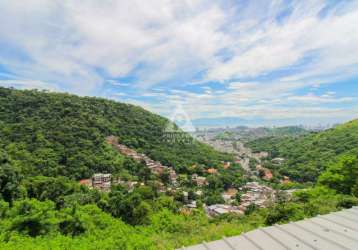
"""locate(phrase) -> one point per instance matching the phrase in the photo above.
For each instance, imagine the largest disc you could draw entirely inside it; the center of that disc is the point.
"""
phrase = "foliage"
(55, 134)
(307, 156)
(342, 176)
(48, 140)
(10, 178)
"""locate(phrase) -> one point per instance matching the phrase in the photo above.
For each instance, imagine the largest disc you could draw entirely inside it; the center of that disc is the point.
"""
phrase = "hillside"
(61, 134)
(287, 131)
(244, 133)
(48, 140)
(308, 155)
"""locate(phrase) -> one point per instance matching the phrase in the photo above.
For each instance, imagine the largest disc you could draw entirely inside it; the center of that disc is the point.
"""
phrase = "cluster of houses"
(259, 155)
(257, 194)
(254, 193)
(229, 195)
(219, 209)
(155, 166)
(98, 181)
(220, 145)
(104, 182)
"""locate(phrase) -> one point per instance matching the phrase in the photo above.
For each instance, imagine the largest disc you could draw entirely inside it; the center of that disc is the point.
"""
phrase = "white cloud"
(78, 46)
(331, 41)
(315, 99)
(159, 41)
(29, 84)
(117, 83)
(70, 40)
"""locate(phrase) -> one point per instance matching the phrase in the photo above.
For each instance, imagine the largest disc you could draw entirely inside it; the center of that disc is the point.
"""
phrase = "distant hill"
(61, 134)
(306, 156)
(286, 131)
(244, 133)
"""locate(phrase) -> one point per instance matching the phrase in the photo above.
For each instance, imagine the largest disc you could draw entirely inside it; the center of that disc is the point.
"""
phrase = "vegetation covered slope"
(307, 156)
(33, 224)
(61, 134)
(244, 133)
(287, 131)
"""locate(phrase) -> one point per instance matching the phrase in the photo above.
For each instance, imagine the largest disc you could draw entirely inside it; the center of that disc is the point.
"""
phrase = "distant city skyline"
(317, 127)
(225, 63)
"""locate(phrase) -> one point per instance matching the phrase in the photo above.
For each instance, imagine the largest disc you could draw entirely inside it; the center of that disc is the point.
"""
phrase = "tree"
(214, 198)
(342, 176)
(165, 176)
(72, 224)
(50, 188)
(238, 197)
(141, 213)
(214, 182)
(10, 178)
(33, 217)
(284, 213)
(250, 208)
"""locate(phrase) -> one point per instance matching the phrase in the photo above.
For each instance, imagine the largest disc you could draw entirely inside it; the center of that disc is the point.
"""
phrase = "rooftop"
(338, 230)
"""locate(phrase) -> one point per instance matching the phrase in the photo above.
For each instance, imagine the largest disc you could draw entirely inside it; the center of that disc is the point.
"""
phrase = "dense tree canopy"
(342, 176)
(308, 155)
(55, 134)
(48, 140)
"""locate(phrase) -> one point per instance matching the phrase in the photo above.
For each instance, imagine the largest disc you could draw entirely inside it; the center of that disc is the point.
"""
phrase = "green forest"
(56, 134)
(48, 141)
(308, 155)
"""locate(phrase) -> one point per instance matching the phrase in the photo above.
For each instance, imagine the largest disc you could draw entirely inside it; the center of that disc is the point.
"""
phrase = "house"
(277, 160)
(131, 184)
(102, 182)
(192, 204)
(229, 195)
(226, 164)
(199, 193)
(260, 155)
(106, 177)
(185, 196)
(257, 194)
(86, 182)
(238, 161)
(212, 171)
(231, 191)
(199, 180)
(226, 197)
(267, 174)
(286, 180)
(218, 209)
(157, 168)
(100, 178)
(161, 187)
(105, 187)
(173, 176)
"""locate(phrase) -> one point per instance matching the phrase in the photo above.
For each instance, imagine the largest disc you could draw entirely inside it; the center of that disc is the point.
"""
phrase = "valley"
(89, 170)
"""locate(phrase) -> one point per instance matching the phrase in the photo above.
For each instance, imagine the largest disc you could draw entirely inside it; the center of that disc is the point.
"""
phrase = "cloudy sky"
(224, 62)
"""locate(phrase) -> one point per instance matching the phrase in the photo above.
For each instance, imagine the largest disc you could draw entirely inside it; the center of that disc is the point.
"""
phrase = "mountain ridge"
(308, 155)
(63, 134)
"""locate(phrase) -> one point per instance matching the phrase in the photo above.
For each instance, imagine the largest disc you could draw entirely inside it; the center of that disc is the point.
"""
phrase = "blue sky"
(223, 62)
